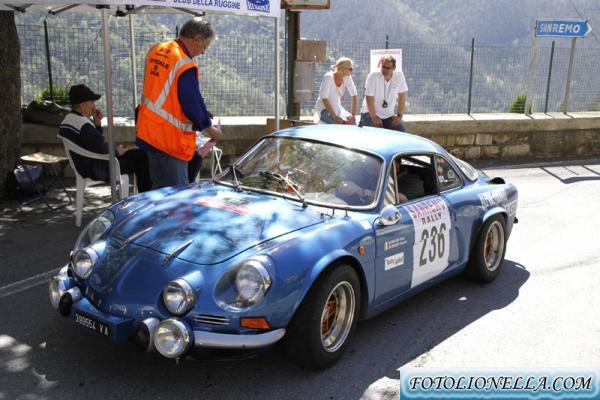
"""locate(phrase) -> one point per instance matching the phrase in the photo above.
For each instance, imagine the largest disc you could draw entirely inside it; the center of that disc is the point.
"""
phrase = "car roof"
(384, 142)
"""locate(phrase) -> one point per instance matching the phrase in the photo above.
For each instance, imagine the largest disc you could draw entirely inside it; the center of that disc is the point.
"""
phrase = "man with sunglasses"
(385, 97)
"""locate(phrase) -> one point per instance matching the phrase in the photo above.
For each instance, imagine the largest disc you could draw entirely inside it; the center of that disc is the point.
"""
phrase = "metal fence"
(237, 72)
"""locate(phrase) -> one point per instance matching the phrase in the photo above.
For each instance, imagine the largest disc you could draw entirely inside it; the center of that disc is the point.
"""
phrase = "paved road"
(542, 311)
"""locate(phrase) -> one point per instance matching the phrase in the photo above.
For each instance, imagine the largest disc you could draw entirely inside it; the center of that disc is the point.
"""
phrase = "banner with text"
(263, 8)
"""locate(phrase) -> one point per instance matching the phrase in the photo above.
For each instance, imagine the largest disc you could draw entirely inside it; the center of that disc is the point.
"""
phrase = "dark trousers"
(365, 120)
(194, 166)
(166, 170)
(135, 161)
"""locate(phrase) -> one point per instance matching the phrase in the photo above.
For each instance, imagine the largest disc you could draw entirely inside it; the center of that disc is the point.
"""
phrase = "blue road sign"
(562, 28)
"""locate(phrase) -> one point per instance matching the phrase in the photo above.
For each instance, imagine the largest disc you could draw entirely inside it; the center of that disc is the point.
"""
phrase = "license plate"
(91, 324)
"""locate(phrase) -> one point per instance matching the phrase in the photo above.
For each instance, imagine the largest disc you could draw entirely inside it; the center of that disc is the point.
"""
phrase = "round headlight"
(95, 229)
(98, 227)
(84, 261)
(172, 338)
(245, 285)
(252, 281)
(178, 297)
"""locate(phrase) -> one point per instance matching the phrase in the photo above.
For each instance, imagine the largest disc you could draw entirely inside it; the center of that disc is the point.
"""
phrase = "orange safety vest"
(161, 121)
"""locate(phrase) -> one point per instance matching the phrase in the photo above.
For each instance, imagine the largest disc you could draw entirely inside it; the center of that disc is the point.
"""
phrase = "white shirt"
(330, 91)
(381, 90)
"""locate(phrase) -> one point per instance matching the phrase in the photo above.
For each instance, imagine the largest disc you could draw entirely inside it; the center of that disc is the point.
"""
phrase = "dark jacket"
(81, 131)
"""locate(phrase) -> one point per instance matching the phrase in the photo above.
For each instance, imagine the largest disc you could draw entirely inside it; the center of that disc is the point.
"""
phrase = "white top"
(381, 90)
(330, 91)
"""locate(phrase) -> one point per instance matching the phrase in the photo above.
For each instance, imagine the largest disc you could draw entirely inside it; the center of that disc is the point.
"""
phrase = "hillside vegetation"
(237, 71)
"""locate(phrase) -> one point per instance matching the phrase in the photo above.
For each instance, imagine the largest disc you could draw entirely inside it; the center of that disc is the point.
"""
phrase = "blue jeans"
(326, 118)
(365, 120)
(166, 170)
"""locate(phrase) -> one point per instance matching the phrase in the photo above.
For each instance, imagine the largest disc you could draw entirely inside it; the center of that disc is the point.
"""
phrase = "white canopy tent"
(252, 8)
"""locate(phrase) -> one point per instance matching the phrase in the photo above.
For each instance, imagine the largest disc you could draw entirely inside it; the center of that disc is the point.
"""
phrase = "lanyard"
(385, 95)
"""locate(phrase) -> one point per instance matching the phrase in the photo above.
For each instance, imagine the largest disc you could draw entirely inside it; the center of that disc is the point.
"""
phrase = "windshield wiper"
(288, 182)
(236, 182)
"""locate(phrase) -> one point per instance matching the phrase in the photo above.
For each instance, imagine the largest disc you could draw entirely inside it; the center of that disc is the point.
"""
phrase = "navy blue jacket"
(81, 131)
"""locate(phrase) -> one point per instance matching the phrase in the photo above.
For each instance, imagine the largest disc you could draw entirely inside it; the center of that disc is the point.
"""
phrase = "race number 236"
(433, 244)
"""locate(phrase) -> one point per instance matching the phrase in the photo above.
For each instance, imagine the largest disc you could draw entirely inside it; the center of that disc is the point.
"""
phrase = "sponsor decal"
(431, 219)
(392, 244)
(493, 198)
(238, 206)
(394, 261)
(511, 208)
(258, 5)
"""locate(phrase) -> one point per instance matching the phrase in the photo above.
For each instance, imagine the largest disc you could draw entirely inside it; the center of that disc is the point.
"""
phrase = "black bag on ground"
(21, 182)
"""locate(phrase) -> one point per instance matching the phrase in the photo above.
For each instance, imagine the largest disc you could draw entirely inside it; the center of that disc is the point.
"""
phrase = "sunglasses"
(386, 67)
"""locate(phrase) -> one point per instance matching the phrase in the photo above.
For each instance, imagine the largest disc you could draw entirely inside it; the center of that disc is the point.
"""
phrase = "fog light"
(64, 305)
(67, 300)
(56, 288)
(172, 338)
(144, 337)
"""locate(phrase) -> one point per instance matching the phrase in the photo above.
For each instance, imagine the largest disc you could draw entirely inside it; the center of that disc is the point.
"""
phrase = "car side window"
(447, 176)
(415, 177)
(390, 190)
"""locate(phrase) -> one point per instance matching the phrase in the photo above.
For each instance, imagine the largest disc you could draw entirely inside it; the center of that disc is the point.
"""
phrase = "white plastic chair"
(83, 183)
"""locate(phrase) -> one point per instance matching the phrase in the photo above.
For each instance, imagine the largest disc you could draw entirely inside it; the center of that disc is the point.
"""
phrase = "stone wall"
(479, 136)
(512, 136)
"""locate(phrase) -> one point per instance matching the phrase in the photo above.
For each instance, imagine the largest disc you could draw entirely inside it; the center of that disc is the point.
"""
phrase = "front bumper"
(67, 298)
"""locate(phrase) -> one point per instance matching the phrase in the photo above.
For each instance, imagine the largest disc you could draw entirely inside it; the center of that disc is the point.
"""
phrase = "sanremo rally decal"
(431, 219)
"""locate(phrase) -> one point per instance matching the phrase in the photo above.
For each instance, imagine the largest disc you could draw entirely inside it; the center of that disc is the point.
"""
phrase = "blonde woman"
(329, 108)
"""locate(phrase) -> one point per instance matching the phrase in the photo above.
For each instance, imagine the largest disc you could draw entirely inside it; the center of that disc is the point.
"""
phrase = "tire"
(487, 255)
(319, 333)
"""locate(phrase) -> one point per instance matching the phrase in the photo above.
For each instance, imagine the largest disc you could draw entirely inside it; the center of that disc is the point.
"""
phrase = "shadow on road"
(591, 176)
(42, 355)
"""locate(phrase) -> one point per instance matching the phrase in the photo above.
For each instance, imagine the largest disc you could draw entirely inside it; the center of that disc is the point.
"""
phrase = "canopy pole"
(277, 74)
(109, 104)
(48, 59)
(133, 61)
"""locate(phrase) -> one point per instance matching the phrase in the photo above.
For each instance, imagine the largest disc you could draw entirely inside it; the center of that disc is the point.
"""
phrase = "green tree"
(518, 105)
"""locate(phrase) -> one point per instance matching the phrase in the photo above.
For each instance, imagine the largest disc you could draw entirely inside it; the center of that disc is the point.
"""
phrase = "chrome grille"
(212, 319)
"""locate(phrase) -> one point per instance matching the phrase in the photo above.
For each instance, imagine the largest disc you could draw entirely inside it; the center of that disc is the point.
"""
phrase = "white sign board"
(377, 54)
(305, 4)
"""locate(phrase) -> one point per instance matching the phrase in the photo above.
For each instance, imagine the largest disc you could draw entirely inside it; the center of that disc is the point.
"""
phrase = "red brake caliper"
(488, 246)
(327, 322)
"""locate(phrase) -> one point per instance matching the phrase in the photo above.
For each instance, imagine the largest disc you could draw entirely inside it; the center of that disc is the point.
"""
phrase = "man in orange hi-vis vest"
(172, 107)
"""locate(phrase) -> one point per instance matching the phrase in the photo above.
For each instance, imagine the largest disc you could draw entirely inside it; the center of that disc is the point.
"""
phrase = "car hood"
(212, 223)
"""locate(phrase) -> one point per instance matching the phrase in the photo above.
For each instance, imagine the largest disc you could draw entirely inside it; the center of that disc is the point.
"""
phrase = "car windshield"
(466, 168)
(308, 171)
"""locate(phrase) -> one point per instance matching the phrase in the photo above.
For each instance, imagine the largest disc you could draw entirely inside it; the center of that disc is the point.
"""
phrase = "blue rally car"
(313, 229)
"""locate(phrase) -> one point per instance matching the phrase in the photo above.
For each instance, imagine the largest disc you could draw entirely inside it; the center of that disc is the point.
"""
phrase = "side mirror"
(389, 216)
